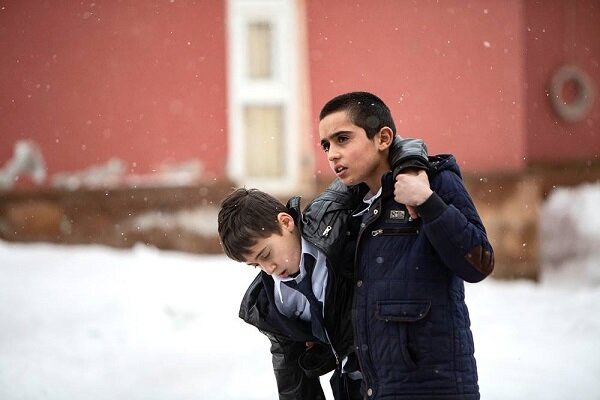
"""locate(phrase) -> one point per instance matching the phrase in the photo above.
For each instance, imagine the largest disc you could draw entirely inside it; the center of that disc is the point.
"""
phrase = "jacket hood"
(443, 162)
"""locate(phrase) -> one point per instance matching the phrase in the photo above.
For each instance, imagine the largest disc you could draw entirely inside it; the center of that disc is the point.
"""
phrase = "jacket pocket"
(404, 313)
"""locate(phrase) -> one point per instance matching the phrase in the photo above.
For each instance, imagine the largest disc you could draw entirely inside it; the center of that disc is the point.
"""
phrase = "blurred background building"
(128, 121)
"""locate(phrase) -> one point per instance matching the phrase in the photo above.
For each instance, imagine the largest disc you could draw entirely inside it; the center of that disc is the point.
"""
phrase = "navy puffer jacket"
(411, 323)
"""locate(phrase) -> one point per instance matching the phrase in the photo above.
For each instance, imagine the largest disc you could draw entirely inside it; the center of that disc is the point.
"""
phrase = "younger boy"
(411, 324)
(298, 300)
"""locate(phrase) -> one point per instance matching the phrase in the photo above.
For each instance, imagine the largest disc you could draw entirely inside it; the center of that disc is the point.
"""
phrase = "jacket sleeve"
(407, 153)
(292, 383)
(455, 230)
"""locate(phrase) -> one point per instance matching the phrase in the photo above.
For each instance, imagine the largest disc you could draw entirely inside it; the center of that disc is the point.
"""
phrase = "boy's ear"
(286, 221)
(385, 137)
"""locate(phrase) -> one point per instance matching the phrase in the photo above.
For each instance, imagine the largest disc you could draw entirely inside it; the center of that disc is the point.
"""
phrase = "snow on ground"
(89, 322)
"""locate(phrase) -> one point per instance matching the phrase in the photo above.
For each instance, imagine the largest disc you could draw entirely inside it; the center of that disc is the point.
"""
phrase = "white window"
(263, 101)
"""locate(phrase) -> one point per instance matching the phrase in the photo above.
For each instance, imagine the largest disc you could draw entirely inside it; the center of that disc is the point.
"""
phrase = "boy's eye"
(266, 256)
(325, 147)
(342, 139)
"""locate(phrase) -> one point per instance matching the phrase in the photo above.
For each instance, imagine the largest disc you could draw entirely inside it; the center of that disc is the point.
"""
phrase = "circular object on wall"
(571, 93)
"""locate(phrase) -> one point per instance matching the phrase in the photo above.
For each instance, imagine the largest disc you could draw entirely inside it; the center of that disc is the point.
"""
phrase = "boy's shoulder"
(335, 201)
(325, 220)
(335, 197)
(329, 209)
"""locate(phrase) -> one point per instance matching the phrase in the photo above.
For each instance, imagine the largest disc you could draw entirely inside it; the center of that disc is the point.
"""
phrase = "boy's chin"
(293, 275)
(347, 181)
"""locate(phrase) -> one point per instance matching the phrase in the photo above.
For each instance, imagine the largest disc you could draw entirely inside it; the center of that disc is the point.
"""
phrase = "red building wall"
(142, 81)
(559, 33)
(452, 72)
(145, 81)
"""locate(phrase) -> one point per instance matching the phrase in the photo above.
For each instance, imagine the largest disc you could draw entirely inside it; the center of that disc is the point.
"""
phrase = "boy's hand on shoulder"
(412, 189)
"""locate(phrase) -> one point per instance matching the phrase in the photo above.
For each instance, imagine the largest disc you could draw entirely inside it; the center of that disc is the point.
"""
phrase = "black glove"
(317, 360)
(408, 153)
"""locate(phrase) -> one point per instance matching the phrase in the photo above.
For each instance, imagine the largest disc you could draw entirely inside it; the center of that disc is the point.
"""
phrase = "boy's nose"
(332, 155)
(269, 268)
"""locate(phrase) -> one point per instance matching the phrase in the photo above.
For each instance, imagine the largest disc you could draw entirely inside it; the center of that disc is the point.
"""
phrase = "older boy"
(411, 324)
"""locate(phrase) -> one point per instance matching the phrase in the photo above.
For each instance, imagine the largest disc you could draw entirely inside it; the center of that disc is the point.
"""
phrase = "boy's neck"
(374, 183)
(372, 192)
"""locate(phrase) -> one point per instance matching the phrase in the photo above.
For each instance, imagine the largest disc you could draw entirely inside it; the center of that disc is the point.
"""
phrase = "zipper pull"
(377, 232)
(335, 354)
(326, 231)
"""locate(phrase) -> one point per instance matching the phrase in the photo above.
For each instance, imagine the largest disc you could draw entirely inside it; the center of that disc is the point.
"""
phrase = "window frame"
(279, 90)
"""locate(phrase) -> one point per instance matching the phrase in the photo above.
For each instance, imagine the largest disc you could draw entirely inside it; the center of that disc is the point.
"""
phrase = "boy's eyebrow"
(327, 139)
(259, 254)
(251, 256)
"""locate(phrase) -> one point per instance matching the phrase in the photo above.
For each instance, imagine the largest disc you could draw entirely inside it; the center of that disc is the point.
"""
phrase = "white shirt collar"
(307, 247)
(369, 199)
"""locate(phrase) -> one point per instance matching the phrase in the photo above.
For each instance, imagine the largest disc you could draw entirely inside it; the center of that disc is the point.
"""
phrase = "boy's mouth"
(339, 169)
(282, 274)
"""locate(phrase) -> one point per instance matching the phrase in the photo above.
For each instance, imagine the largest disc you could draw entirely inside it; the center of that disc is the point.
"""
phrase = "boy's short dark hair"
(364, 109)
(246, 216)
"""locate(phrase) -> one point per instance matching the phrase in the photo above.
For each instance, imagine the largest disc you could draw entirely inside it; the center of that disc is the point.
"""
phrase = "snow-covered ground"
(89, 322)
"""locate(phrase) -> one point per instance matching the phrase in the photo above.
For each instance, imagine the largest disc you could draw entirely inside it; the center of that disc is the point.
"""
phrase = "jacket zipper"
(366, 376)
(335, 354)
(325, 233)
(407, 231)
